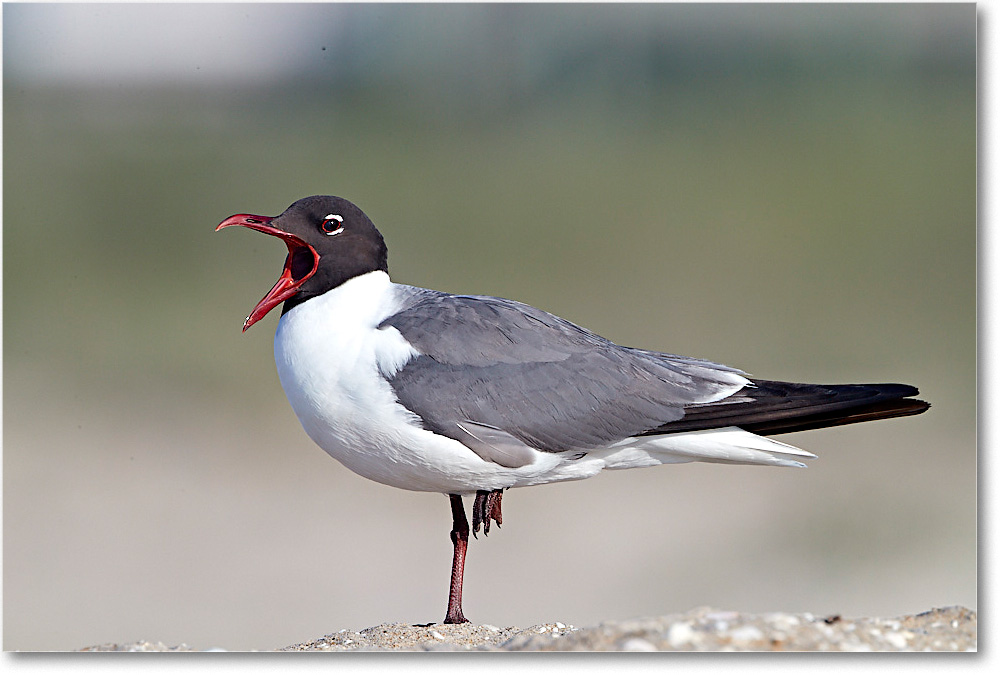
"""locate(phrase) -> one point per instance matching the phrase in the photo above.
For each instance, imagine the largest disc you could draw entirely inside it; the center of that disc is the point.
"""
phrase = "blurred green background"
(787, 189)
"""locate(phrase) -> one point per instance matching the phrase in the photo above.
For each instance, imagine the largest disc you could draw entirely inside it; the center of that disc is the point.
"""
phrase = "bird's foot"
(457, 617)
(485, 509)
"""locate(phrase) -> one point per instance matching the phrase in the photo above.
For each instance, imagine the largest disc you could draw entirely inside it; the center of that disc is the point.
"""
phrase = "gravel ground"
(951, 629)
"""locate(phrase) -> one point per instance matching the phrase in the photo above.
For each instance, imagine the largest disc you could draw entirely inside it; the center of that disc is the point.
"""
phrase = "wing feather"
(549, 383)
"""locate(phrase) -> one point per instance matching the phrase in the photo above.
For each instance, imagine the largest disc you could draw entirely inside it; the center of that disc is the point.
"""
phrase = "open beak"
(300, 264)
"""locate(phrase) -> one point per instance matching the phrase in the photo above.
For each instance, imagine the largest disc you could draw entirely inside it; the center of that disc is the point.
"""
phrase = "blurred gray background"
(786, 189)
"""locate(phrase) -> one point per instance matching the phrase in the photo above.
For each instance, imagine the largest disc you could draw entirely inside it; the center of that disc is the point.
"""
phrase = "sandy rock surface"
(949, 629)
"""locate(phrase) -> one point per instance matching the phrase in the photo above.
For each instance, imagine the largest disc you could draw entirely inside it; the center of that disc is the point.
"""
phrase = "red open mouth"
(300, 264)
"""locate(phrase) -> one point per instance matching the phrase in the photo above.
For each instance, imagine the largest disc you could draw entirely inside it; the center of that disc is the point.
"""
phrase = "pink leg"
(460, 538)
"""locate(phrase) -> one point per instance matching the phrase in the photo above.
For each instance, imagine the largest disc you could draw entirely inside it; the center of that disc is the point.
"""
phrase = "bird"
(471, 395)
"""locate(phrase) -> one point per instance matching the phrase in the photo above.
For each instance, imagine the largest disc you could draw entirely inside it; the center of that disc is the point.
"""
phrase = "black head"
(329, 239)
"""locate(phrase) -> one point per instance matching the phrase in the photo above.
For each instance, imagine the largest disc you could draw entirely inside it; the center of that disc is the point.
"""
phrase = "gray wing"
(499, 375)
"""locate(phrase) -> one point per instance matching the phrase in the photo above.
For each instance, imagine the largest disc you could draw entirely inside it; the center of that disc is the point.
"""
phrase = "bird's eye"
(333, 224)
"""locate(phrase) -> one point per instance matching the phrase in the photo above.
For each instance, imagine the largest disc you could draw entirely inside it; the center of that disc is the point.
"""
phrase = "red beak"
(300, 264)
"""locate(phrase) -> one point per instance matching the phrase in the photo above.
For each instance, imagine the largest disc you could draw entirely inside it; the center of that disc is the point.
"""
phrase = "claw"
(485, 509)
(477, 512)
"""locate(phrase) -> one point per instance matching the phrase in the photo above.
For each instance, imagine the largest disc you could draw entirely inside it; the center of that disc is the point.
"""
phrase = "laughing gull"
(471, 394)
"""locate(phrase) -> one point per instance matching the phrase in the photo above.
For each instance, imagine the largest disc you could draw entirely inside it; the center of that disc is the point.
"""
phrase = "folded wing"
(548, 383)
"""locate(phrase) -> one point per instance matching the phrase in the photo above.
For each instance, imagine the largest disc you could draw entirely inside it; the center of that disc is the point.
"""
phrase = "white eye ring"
(327, 219)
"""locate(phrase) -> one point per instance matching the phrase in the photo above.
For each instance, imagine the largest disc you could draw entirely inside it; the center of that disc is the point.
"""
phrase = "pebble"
(783, 621)
(898, 640)
(746, 634)
(680, 635)
(638, 645)
(856, 647)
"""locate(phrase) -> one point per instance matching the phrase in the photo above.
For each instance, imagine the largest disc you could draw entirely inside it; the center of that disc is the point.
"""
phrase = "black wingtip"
(770, 407)
(893, 390)
(882, 410)
(876, 402)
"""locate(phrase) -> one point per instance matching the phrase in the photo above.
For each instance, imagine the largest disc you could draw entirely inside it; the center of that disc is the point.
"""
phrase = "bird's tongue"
(300, 264)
